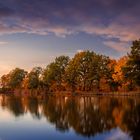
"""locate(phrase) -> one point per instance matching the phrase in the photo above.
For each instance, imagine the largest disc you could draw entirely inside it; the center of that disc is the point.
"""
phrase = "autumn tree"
(118, 75)
(5, 81)
(86, 71)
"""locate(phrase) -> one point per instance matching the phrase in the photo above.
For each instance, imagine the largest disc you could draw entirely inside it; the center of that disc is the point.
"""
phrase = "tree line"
(86, 71)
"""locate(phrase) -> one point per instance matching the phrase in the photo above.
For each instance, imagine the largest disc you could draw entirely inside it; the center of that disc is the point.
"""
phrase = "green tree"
(71, 74)
(86, 69)
(132, 68)
(33, 78)
(16, 77)
(54, 72)
(79, 70)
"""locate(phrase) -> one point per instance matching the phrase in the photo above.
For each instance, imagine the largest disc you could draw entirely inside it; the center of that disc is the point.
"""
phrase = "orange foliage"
(118, 75)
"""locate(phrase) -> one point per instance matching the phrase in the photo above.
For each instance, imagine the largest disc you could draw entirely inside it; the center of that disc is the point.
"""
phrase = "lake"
(69, 118)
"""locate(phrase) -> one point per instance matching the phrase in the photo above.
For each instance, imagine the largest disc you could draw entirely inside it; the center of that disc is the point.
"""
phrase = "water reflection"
(87, 116)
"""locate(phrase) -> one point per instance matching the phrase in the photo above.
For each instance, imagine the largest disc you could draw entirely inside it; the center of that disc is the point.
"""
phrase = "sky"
(34, 32)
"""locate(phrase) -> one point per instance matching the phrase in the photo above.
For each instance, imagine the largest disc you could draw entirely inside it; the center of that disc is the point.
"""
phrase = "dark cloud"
(5, 11)
(111, 18)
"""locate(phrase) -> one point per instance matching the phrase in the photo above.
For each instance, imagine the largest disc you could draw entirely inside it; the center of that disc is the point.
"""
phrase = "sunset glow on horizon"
(34, 32)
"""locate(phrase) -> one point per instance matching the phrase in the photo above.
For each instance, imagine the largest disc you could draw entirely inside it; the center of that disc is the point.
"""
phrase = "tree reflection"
(32, 105)
(14, 104)
(85, 115)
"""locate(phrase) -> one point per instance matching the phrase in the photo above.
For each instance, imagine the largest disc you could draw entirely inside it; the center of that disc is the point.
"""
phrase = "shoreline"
(90, 94)
(69, 93)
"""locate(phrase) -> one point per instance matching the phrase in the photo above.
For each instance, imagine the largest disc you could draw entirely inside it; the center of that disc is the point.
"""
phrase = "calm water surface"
(77, 118)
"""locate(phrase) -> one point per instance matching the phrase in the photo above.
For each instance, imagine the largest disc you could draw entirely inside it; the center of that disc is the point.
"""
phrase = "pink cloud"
(3, 42)
(123, 33)
(118, 46)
